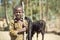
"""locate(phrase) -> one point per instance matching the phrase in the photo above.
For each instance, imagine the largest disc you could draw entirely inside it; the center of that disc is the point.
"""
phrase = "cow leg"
(42, 35)
(29, 35)
(37, 35)
(30, 31)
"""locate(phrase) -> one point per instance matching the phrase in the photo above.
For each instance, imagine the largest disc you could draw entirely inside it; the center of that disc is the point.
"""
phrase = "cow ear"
(28, 19)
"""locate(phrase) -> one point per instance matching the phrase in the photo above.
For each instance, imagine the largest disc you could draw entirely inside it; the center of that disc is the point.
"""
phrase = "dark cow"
(37, 26)
(29, 28)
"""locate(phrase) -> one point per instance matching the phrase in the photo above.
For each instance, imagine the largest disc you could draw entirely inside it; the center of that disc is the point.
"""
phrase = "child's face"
(19, 12)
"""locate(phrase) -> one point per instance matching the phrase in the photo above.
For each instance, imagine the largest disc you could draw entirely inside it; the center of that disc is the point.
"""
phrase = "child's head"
(18, 12)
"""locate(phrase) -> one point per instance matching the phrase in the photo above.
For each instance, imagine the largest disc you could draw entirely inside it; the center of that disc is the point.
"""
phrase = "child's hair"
(15, 8)
(18, 6)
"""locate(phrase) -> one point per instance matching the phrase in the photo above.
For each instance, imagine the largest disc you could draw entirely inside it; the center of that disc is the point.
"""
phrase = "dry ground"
(4, 35)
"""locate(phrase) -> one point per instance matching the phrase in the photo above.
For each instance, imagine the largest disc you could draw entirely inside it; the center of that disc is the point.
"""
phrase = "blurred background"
(48, 10)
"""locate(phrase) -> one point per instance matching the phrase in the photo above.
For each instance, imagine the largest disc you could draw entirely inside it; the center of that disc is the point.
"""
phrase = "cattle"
(29, 37)
(38, 27)
(35, 27)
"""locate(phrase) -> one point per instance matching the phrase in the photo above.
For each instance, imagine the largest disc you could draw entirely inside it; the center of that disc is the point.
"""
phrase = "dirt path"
(4, 35)
(47, 36)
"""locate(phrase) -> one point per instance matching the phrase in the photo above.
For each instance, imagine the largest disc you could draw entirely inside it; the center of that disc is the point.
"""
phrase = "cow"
(38, 27)
(35, 27)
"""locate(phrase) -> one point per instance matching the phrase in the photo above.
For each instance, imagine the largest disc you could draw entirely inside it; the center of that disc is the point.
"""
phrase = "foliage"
(32, 8)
